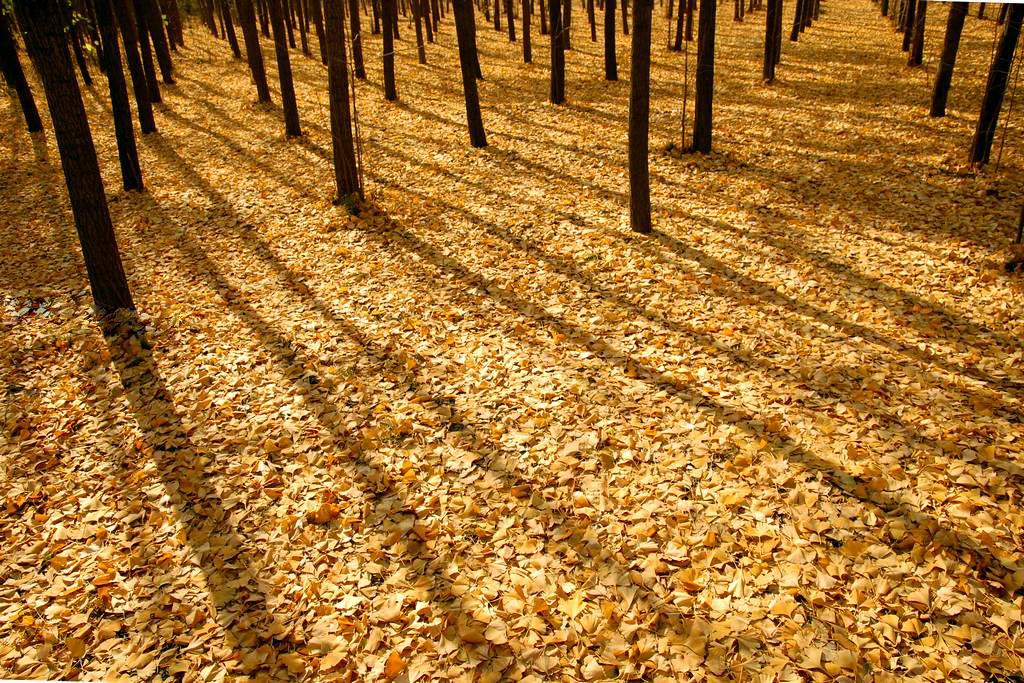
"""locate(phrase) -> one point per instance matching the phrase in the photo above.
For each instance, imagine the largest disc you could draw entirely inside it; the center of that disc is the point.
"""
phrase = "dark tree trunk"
(543, 18)
(152, 86)
(394, 19)
(778, 32)
(357, 40)
(625, 17)
(303, 27)
(375, 10)
(527, 47)
(885, 7)
(639, 118)
(1002, 14)
(435, 14)
(206, 9)
(229, 27)
(768, 69)
(46, 42)
(981, 10)
(289, 22)
(472, 31)
(174, 20)
(995, 88)
(346, 175)
(463, 10)
(318, 22)
(951, 45)
(611, 67)
(264, 18)
(690, 6)
(798, 14)
(427, 21)
(140, 85)
(76, 43)
(127, 152)
(510, 19)
(917, 42)
(15, 75)
(592, 18)
(390, 92)
(497, 15)
(155, 28)
(908, 33)
(557, 91)
(421, 50)
(705, 79)
(284, 69)
(677, 44)
(247, 20)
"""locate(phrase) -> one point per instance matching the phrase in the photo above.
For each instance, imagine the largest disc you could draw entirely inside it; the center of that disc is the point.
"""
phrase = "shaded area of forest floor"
(484, 432)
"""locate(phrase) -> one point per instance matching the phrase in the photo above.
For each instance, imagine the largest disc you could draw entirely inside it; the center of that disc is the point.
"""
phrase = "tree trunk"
(150, 13)
(346, 174)
(174, 20)
(357, 40)
(639, 118)
(427, 21)
(995, 88)
(611, 67)
(798, 14)
(388, 9)
(229, 27)
(375, 10)
(884, 7)
(527, 47)
(152, 86)
(690, 5)
(247, 19)
(567, 24)
(705, 79)
(127, 152)
(284, 69)
(917, 42)
(543, 18)
(510, 19)
(318, 21)
(768, 68)
(497, 15)
(421, 49)
(677, 45)
(908, 33)
(140, 86)
(264, 18)
(592, 18)
(950, 46)
(15, 75)
(468, 63)
(557, 91)
(625, 17)
(76, 43)
(46, 43)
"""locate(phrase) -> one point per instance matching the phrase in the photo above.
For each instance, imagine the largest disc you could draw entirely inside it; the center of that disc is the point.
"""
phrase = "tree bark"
(625, 17)
(15, 75)
(346, 174)
(527, 47)
(388, 10)
(421, 50)
(768, 68)
(511, 20)
(152, 86)
(47, 47)
(557, 90)
(567, 24)
(950, 47)
(318, 21)
(639, 118)
(140, 86)
(357, 40)
(127, 152)
(463, 11)
(910, 20)
(705, 80)
(592, 18)
(150, 13)
(284, 69)
(917, 42)
(229, 27)
(251, 36)
(995, 88)
(611, 67)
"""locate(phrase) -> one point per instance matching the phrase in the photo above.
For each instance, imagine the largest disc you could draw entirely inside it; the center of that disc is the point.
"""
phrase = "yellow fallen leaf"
(394, 666)
(76, 646)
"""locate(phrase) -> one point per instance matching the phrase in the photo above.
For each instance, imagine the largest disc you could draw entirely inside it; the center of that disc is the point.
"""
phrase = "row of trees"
(54, 30)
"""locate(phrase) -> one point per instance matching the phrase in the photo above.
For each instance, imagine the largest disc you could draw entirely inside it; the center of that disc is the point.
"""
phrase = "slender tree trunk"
(390, 91)
(511, 20)
(567, 24)
(152, 86)
(611, 67)
(705, 77)
(527, 47)
(908, 33)
(229, 28)
(768, 68)
(497, 15)
(950, 46)
(592, 18)
(264, 18)
(798, 14)
(421, 49)
(427, 21)
(318, 20)
(884, 7)
(46, 43)
(778, 32)
(677, 45)
(625, 17)
(140, 86)
(472, 31)
(289, 21)
(463, 10)
(917, 42)
(639, 118)
(150, 13)
(981, 10)
(375, 9)
(394, 19)
(995, 88)
(15, 75)
(346, 174)
(690, 6)
(1002, 14)
(76, 43)
(247, 19)
(174, 20)
(557, 91)
(284, 69)
(127, 152)
(543, 18)
(357, 40)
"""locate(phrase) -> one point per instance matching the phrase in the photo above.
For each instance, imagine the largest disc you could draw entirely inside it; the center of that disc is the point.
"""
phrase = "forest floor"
(484, 432)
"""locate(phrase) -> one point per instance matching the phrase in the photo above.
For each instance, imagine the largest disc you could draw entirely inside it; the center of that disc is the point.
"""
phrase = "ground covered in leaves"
(482, 431)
